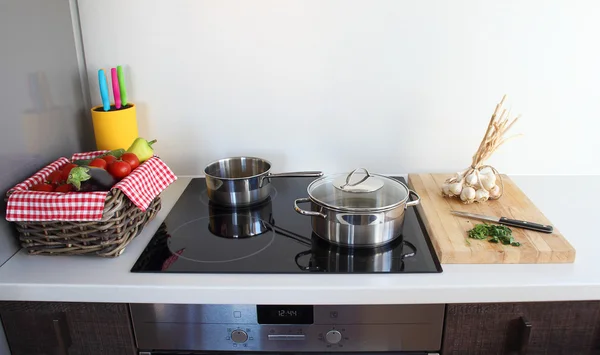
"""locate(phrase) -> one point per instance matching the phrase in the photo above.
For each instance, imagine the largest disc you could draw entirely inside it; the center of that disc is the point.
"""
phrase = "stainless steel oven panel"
(336, 329)
(378, 314)
(323, 314)
(187, 313)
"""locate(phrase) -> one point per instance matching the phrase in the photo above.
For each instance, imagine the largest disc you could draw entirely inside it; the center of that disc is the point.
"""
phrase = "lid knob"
(368, 183)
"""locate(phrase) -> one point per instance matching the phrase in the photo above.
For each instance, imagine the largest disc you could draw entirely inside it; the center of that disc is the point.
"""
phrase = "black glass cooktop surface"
(200, 237)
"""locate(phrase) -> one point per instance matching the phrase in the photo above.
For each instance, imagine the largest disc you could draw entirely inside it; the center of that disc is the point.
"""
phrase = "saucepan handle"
(414, 202)
(296, 174)
(305, 212)
(292, 174)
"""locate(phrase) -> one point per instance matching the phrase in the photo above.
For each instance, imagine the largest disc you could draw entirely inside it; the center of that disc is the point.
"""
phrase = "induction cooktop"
(199, 236)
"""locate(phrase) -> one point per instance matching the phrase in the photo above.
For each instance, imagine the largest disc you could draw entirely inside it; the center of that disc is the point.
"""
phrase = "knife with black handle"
(526, 225)
(544, 228)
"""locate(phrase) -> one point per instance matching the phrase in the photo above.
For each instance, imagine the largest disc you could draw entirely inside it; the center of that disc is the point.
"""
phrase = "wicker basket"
(121, 222)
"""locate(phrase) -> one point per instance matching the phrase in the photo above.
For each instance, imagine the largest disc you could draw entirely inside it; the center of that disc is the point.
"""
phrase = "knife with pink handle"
(115, 85)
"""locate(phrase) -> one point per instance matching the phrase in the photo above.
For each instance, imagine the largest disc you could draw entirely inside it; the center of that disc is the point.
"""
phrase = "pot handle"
(296, 174)
(415, 202)
(305, 212)
(292, 174)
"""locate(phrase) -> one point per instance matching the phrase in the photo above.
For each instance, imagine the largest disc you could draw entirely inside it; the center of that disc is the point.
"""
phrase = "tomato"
(42, 187)
(64, 188)
(55, 178)
(131, 159)
(119, 169)
(109, 159)
(66, 170)
(99, 163)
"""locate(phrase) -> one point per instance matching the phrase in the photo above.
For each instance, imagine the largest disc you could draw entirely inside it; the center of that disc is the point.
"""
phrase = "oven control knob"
(239, 336)
(333, 336)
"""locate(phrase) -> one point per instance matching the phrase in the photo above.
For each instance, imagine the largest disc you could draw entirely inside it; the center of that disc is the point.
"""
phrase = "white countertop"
(568, 201)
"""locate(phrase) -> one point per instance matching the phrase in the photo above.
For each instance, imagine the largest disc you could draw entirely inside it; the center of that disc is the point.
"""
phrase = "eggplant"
(87, 178)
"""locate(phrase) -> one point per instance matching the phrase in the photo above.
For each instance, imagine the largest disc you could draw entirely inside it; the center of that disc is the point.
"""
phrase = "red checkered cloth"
(141, 186)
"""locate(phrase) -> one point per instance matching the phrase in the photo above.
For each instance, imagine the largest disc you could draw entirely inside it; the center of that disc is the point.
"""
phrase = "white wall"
(396, 86)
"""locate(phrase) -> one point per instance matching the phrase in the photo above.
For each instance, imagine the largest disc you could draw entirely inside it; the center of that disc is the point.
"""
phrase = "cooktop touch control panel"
(288, 327)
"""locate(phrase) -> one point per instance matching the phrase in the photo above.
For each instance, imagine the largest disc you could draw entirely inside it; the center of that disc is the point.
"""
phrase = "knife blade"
(544, 228)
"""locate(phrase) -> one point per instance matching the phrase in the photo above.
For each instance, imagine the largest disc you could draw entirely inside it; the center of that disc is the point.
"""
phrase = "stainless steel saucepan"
(359, 209)
(243, 181)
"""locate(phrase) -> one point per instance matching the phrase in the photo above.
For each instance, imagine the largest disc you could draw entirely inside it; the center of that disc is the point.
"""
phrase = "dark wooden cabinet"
(49, 328)
(569, 328)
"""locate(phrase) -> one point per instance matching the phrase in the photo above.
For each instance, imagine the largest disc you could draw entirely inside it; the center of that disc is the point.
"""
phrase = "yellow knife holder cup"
(114, 129)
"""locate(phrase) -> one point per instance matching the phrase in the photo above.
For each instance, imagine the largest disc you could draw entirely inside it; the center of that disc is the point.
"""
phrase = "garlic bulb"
(471, 179)
(487, 182)
(456, 188)
(495, 192)
(486, 171)
(481, 195)
(468, 194)
(446, 190)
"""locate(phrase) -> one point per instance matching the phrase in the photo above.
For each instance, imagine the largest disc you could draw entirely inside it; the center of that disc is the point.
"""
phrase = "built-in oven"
(191, 329)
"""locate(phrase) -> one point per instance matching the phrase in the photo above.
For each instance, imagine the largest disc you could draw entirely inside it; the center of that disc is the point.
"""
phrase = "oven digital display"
(284, 314)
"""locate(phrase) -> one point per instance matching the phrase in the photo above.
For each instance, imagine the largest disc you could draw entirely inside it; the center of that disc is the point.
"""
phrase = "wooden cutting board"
(448, 232)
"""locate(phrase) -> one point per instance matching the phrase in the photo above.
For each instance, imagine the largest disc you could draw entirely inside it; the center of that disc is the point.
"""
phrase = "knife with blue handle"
(544, 228)
(103, 90)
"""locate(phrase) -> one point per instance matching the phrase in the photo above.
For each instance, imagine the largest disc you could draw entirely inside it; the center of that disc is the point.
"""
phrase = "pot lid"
(358, 191)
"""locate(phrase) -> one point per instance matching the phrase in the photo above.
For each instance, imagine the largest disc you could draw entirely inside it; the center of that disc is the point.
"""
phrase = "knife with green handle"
(544, 228)
(122, 88)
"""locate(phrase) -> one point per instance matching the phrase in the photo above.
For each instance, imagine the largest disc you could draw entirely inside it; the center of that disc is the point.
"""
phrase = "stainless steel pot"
(243, 181)
(242, 222)
(359, 209)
